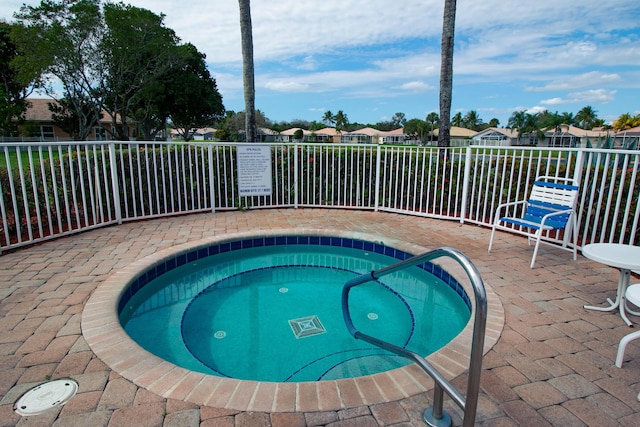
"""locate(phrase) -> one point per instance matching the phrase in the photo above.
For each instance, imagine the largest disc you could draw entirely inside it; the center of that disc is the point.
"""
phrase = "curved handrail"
(468, 404)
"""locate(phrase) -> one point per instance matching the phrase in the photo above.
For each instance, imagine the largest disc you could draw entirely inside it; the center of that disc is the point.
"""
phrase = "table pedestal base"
(620, 302)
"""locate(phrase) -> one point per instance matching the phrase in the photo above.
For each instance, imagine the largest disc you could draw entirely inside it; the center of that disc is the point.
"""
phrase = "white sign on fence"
(254, 170)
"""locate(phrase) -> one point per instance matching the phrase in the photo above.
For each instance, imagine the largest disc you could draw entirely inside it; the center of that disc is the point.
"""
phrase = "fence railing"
(58, 188)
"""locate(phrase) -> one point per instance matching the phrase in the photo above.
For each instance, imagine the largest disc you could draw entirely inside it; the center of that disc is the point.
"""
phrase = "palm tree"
(624, 122)
(532, 126)
(457, 120)
(341, 121)
(432, 120)
(446, 71)
(472, 120)
(567, 118)
(328, 118)
(587, 117)
(246, 34)
(517, 121)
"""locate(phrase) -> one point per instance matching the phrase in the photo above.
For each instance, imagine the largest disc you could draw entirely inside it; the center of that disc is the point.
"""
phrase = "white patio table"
(624, 257)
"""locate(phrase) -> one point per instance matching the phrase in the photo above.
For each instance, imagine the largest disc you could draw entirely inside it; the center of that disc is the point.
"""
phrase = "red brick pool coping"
(106, 338)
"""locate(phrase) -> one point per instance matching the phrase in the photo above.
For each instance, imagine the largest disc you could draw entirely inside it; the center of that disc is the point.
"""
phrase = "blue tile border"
(202, 252)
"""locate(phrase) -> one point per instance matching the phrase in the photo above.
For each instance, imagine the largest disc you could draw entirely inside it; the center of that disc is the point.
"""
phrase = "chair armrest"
(552, 214)
(496, 218)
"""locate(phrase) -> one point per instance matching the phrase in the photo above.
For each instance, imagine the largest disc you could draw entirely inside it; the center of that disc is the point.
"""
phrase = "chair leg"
(535, 249)
(623, 345)
(493, 232)
(574, 230)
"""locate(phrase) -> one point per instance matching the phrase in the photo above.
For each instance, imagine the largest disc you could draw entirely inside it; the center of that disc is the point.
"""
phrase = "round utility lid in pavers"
(46, 396)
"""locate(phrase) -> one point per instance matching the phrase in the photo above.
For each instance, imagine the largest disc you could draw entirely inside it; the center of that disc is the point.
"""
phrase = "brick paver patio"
(552, 365)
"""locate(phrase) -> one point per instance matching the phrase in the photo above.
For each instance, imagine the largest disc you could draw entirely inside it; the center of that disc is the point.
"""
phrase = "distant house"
(570, 136)
(327, 135)
(628, 138)
(201, 134)
(459, 136)
(361, 136)
(496, 137)
(395, 136)
(39, 124)
(266, 135)
(288, 135)
(562, 136)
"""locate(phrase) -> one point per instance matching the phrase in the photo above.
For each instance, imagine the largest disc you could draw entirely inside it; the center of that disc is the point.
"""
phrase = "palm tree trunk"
(446, 72)
(246, 34)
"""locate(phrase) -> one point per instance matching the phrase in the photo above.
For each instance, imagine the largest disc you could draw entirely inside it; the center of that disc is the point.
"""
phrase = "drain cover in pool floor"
(306, 326)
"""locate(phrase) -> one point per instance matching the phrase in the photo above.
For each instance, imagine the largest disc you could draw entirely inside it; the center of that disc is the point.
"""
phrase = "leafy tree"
(416, 129)
(398, 120)
(446, 72)
(246, 33)
(139, 52)
(65, 116)
(315, 125)
(59, 41)
(298, 135)
(13, 89)
(494, 123)
(385, 126)
(232, 126)
(194, 100)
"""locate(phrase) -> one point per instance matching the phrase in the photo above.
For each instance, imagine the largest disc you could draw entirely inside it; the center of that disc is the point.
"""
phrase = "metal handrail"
(435, 416)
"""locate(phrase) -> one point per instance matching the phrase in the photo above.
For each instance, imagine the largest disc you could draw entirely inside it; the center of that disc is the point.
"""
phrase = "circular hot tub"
(223, 321)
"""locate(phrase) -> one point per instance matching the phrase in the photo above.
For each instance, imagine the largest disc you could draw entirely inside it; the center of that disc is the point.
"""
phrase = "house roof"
(366, 131)
(291, 131)
(267, 131)
(509, 133)
(39, 111)
(327, 131)
(458, 132)
(628, 132)
(576, 131)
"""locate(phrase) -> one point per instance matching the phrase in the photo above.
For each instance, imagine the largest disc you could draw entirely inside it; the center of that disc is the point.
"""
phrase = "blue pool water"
(272, 312)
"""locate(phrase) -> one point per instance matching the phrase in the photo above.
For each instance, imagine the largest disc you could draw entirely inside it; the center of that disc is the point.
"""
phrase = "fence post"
(114, 182)
(212, 188)
(465, 184)
(378, 166)
(577, 172)
(295, 175)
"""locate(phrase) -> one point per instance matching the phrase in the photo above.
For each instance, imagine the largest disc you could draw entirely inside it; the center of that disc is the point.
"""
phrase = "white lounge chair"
(551, 206)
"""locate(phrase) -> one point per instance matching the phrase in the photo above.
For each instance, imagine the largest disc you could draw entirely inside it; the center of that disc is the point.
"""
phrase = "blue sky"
(376, 58)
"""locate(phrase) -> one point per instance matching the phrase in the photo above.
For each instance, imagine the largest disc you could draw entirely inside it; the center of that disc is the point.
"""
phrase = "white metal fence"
(53, 189)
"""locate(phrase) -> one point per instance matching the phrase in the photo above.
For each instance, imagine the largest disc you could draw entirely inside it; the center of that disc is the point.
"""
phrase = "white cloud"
(416, 87)
(600, 96)
(286, 86)
(554, 101)
(572, 82)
